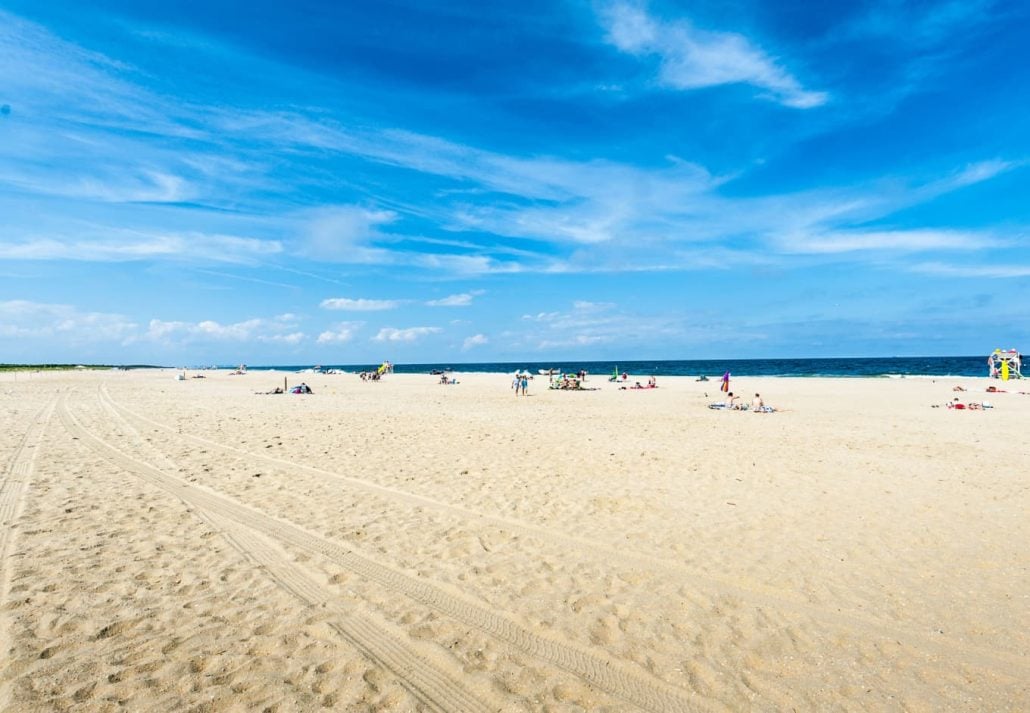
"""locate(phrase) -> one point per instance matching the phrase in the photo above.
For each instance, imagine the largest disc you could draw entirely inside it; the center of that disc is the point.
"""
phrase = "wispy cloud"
(896, 241)
(541, 316)
(122, 245)
(411, 334)
(108, 184)
(340, 333)
(588, 306)
(594, 323)
(344, 234)
(245, 278)
(280, 329)
(359, 304)
(463, 299)
(476, 340)
(24, 319)
(691, 58)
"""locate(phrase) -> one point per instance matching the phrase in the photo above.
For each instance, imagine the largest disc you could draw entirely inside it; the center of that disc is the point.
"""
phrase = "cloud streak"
(276, 330)
(476, 340)
(28, 320)
(359, 304)
(122, 245)
(463, 299)
(691, 58)
(340, 333)
(411, 334)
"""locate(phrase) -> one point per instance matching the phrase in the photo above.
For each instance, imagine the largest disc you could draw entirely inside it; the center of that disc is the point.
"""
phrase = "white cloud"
(104, 184)
(594, 323)
(463, 299)
(344, 234)
(541, 316)
(340, 333)
(459, 264)
(280, 329)
(475, 340)
(578, 340)
(585, 306)
(122, 245)
(23, 319)
(411, 334)
(842, 241)
(358, 305)
(692, 58)
(293, 338)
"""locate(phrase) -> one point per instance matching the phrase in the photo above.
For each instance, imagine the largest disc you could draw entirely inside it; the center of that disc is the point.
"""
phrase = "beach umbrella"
(725, 383)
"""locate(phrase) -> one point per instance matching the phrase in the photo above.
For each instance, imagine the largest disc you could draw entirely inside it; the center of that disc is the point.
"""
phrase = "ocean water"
(866, 367)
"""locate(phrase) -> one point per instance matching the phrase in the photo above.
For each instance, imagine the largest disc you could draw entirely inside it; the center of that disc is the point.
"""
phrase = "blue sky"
(317, 182)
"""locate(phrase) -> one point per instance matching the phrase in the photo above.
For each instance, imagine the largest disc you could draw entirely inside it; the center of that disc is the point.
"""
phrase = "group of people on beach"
(521, 383)
(300, 388)
(735, 403)
(652, 383)
(569, 382)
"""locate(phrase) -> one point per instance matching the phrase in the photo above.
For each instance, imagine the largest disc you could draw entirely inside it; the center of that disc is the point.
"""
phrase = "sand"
(407, 546)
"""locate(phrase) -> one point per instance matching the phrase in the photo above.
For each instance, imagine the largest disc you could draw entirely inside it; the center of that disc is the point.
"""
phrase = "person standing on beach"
(524, 383)
(725, 388)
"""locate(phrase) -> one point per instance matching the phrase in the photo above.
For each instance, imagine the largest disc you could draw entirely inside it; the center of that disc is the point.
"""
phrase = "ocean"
(865, 367)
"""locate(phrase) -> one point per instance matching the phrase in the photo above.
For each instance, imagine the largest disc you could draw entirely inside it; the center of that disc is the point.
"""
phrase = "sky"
(260, 182)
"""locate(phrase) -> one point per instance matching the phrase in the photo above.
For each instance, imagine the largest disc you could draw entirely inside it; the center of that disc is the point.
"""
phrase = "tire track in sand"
(612, 676)
(425, 680)
(13, 490)
(859, 624)
(15, 486)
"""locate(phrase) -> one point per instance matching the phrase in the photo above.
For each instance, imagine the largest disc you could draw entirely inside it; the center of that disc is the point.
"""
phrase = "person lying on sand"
(971, 406)
(732, 403)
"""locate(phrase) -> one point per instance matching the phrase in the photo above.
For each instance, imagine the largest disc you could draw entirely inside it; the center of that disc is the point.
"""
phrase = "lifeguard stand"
(1005, 364)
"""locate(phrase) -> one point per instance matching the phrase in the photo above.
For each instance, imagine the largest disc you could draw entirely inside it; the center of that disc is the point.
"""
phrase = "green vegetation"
(51, 367)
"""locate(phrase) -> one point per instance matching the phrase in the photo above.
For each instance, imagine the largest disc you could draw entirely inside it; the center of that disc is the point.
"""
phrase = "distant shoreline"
(866, 367)
(72, 367)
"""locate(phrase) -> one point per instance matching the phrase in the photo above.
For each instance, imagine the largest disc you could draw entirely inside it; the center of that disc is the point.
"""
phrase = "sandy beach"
(408, 546)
